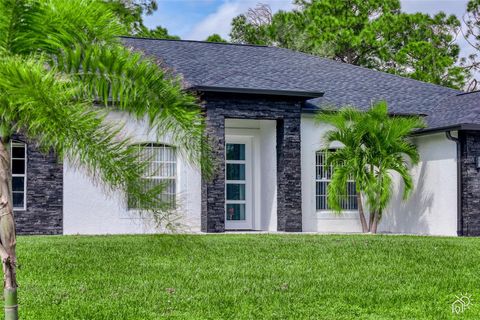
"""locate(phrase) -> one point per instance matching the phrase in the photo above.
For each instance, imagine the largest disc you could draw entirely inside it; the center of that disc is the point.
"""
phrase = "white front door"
(238, 183)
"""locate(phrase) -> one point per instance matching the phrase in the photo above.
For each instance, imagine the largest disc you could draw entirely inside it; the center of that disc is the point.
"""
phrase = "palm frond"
(373, 145)
(44, 107)
(17, 25)
(32, 26)
(127, 81)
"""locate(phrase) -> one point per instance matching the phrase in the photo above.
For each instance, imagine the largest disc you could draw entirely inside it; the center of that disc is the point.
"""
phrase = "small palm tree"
(374, 144)
(390, 150)
(59, 61)
(350, 161)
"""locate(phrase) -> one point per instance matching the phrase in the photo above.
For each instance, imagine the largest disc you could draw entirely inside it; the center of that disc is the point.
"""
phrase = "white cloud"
(219, 21)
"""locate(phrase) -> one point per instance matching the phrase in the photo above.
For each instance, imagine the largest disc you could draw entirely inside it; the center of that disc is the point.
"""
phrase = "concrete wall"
(88, 209)
(431, 209)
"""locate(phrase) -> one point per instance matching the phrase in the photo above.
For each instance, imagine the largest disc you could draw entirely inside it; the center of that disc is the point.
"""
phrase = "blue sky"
(196, 19)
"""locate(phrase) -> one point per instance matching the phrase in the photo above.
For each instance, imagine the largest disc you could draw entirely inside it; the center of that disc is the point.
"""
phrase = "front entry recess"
(238, 206)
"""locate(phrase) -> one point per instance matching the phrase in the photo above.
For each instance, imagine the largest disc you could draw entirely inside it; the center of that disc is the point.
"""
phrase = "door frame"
(248, 223)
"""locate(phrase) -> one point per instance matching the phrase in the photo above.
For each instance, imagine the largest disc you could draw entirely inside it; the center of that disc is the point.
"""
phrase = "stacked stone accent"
(44, 214)
(287, 113)
(470, 175)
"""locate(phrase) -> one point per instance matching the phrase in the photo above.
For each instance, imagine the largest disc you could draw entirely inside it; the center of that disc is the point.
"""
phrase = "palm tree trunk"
(7, 235)
(376, 218)
(370, 220)
(361, 213)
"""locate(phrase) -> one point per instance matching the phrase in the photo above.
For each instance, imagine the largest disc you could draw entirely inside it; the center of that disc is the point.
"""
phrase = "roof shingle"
(269, 68)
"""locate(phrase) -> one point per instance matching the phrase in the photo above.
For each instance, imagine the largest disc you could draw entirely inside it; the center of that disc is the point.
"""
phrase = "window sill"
(332, 215)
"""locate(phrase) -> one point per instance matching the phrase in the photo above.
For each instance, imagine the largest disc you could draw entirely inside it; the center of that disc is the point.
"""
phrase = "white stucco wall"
(88, 209)
(431, 209)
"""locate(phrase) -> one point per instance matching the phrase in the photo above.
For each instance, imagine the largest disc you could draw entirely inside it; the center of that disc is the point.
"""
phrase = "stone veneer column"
(470, 149)
(287, 113)
(289, 183)
(44, 213)
(213, 191)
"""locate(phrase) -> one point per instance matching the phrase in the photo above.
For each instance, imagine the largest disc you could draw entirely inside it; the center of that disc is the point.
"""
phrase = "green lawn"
(247, 277)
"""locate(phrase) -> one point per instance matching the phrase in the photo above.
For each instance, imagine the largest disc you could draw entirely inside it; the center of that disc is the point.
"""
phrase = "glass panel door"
(237, 184)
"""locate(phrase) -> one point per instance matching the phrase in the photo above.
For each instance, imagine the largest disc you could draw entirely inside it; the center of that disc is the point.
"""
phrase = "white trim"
(24, 175)
(331, 215)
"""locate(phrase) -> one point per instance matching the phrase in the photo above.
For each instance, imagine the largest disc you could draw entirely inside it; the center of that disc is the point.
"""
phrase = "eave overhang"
(304, 95)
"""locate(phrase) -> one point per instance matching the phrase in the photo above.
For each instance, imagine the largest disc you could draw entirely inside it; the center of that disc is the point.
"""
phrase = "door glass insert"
(235, 171)
(235, 191)
(235, 211)
(235, 151)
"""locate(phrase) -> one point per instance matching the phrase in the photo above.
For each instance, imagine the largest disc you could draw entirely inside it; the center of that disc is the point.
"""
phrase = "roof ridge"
(198, 41)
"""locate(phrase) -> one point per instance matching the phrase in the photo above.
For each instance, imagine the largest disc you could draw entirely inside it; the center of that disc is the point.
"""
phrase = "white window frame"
(327, 180)
(160, 177)
(23, 175)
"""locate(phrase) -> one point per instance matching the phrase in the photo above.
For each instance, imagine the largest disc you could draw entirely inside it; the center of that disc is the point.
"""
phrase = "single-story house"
(271, 175)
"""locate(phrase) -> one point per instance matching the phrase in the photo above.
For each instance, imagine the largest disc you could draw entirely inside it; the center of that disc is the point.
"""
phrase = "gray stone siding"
(44, 213)
(287, 113)
(470, 175)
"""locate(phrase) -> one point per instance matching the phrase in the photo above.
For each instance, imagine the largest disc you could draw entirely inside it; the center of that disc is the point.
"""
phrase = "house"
(271, 174)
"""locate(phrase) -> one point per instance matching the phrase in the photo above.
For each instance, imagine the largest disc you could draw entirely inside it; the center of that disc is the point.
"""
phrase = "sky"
(197, 19)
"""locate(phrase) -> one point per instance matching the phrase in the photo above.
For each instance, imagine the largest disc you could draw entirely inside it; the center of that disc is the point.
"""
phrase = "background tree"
(373, 33)
(215, 38)
(261, 27)
(157, 33)
(471, 34)
(131, 12)
(60, 59)
(375, 145)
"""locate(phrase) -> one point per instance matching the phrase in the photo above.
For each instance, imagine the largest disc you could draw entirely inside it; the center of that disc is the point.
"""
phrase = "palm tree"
(350, 161)
(374, 144)
(59, 61)
(390, 150)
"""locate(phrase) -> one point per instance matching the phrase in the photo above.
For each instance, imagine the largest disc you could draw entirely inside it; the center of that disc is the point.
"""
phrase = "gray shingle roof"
(270, 68)
(457, 110)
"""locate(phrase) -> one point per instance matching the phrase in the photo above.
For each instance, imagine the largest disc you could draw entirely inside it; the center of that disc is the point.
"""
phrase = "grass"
(247, 277)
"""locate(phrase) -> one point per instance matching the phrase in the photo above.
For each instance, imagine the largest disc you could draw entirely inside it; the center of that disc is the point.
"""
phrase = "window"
(162, 169)
(322, 180)
(18, 151)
